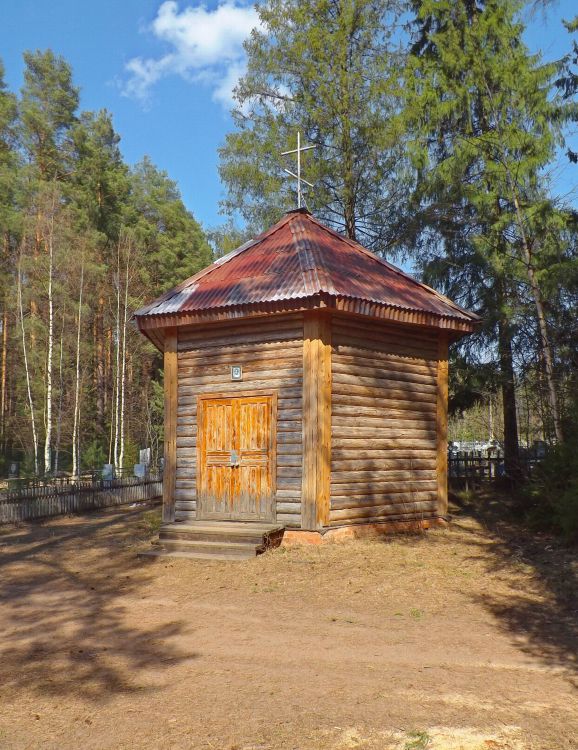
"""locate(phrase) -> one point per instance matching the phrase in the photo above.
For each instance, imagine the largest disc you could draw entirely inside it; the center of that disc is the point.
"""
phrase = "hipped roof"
(300, 263)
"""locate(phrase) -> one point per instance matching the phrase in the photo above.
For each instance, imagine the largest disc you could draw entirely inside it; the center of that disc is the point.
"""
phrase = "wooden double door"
(236, 458)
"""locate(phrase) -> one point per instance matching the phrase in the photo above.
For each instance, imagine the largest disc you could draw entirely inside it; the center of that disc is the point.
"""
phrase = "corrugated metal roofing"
(300, 258)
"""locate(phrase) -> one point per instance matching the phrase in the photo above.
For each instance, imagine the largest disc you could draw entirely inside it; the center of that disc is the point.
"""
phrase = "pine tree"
(330, 69)
(47, 111)
(166, 232)
(9, 220)
(483, 128)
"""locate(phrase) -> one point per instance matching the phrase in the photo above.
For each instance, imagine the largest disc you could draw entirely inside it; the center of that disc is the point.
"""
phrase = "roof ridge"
(392, 268)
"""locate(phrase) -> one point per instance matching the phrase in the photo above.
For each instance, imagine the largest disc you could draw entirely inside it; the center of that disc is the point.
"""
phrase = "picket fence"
(31, 500)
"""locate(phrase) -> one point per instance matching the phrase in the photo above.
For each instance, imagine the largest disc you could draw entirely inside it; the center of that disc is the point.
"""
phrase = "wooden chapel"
(306, 386)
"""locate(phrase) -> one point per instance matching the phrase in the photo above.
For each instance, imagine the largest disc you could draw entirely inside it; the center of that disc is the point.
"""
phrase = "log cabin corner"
(306, 388)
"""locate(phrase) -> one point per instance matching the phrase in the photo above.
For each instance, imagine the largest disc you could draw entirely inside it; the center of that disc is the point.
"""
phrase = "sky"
(165, 70)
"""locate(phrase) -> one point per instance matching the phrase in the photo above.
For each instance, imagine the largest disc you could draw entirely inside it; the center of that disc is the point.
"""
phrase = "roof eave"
(460, 326)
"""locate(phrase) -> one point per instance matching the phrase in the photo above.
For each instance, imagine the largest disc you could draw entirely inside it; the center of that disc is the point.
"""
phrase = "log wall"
(270, 350)
(384, 435)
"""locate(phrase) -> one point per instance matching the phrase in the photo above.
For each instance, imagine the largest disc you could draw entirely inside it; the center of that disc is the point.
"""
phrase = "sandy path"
(456, 639)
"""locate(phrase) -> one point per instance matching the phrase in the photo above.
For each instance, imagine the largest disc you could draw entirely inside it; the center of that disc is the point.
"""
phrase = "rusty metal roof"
(300, 258)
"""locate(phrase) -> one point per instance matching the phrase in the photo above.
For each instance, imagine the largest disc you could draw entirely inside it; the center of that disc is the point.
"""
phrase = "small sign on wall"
(236, 372)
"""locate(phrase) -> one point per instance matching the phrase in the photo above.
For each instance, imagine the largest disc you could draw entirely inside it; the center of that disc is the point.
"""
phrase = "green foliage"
(176, 246)
(331, 70)
(484, 125)
(418, 740)
(69, 202)
(47, 111)
(226, 237)
(9, 159)
(567, 82)
(94, 455)
(470, 382)
(99, 186)
(151, 522)
(552, 493)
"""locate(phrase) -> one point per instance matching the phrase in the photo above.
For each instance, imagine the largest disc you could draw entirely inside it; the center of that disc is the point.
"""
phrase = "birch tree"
(127, 261)
(50, 341)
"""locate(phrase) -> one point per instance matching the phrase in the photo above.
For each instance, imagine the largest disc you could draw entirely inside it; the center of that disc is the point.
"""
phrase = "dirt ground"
(459, 639)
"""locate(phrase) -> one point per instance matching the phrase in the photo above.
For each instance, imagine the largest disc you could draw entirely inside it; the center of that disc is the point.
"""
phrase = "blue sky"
(165, 71)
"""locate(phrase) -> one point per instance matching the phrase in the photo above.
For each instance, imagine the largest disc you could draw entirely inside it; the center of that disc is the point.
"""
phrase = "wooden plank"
(351, 501)
(384, 488)
(442, 424)
(244, 354)
(170, 418)
(364, 460)
(347, 384)
(216, 387)
(361, 441)
(237, 342)
(384, 509)
(375, 475)
(427, 507)
(411, 516)
(383, 361)
(363, 333)
(373, 427)
(187, 378)
(242, 327)
(413, 353)
(316, 419)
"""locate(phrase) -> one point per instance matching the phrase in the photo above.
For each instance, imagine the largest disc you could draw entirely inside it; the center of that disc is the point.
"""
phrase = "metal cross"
(297, 176)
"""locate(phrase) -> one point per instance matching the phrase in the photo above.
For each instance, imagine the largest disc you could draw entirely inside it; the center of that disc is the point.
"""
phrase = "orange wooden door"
(236, 458)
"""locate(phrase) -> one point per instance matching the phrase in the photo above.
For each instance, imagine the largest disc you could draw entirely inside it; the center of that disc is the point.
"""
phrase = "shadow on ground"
(63, 591)
(544, 620)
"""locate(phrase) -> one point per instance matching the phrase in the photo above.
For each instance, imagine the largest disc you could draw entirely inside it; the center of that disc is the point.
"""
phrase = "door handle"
(234, 460)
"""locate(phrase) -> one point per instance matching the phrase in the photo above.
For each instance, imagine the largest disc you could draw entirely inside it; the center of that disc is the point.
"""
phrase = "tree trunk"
(76, 421)
(117, 362)
(511, 442)
(27, 371)
(60, 392)
(4, 377)
(542, 324)
(123, 357)
(48, 434)
(4, 355)
(100, 379)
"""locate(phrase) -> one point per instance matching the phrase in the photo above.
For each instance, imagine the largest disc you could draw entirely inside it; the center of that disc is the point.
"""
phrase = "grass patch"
(417, 741)
(151, 522)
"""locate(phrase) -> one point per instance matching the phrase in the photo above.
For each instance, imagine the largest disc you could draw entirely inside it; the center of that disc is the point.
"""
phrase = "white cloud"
(205, 46)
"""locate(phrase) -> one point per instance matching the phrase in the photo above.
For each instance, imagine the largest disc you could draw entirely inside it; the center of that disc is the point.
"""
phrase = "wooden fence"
(471, 468)
(25, 500)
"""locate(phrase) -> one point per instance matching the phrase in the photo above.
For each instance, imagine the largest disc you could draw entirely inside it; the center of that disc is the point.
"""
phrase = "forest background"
(437, 136)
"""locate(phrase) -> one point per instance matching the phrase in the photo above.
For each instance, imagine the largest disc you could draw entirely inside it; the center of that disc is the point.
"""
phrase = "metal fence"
(28, 499)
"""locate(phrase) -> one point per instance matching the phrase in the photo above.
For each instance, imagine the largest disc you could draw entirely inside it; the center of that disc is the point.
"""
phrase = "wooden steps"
(215, 540)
